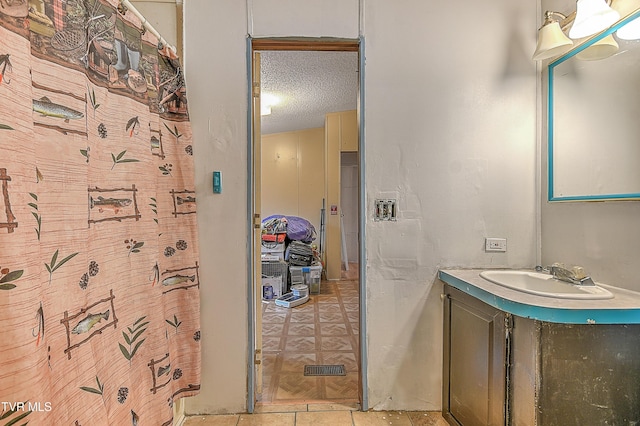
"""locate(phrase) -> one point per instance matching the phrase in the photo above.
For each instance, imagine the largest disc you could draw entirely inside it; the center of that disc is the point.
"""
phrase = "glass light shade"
(623, 7)
(630, 31)
(600, 50)
(551, 42)
(592, 16)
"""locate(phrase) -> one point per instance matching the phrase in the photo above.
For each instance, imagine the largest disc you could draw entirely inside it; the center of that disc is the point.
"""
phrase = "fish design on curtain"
(99, 270)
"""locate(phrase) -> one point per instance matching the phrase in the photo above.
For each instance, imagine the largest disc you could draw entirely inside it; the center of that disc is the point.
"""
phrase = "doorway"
(325, 331)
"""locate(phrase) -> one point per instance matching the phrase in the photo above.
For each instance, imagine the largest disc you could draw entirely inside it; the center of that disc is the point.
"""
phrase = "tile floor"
(323, 418)
(322, 331)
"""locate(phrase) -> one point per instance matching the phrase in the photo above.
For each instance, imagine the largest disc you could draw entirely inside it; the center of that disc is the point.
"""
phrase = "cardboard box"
(277, 286)
(272, 251)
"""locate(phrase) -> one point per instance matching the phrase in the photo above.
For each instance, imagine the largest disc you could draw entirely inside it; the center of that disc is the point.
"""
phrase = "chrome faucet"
(574, 276)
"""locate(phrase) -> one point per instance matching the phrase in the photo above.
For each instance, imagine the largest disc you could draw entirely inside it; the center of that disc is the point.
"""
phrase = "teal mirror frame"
(550, 121)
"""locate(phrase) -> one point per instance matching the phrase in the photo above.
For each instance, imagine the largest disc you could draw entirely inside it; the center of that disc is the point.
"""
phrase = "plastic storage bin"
(272, 251)
(309, 275)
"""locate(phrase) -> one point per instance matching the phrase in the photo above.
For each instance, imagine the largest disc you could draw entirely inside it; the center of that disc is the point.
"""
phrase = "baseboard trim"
(178, 412)
(179, 421)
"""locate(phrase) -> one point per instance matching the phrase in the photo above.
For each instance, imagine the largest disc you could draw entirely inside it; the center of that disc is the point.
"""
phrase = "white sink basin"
(545, 285)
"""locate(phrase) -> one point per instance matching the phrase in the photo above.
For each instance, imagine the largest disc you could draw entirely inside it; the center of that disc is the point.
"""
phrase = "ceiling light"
(592, 16)
(551, 39)
(267, 100)
(599, 50)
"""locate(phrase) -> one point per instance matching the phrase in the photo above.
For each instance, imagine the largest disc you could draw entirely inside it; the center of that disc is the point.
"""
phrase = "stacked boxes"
(272, 251)
(272, 247)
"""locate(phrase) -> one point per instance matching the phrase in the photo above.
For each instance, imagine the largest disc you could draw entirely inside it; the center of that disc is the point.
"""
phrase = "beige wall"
(349, 194)
(332, 222)
(293, 175)
(341, 134)
(218, 103)
(164, 16)
(450, 132)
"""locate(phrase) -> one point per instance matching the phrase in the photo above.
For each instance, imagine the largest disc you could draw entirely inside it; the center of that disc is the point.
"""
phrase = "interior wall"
(162, 15)
(602, 237)
(216, 74)
(293, 175)
(450, 132)
(349, 194)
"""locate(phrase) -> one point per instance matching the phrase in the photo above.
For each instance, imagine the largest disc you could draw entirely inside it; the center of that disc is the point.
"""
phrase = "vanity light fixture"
(551, 40)
(630, 31)
(599, 50)
(592, 16)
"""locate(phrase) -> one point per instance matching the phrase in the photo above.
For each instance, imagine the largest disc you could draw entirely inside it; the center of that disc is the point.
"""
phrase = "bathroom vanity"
(515, 358)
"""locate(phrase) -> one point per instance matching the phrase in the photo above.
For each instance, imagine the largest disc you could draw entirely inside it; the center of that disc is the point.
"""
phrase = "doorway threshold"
(322, 405)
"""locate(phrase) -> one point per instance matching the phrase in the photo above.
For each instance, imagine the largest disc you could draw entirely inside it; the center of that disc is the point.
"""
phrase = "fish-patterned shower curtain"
(99, 270)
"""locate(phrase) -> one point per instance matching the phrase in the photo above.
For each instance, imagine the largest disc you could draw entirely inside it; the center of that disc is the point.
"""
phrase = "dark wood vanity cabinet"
(475, 364)
(504, 369)
(590, 374)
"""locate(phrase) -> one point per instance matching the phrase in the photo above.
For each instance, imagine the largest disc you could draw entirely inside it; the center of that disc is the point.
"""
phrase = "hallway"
(322, 331)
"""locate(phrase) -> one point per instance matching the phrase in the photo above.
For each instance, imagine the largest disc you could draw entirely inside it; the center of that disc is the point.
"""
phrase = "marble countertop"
(623, 308)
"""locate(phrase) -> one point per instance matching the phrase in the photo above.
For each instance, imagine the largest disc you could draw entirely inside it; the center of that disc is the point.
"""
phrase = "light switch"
(385, 210)
(217, 182)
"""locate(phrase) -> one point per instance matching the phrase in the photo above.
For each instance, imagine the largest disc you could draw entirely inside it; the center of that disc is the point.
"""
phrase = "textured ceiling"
(309, 85)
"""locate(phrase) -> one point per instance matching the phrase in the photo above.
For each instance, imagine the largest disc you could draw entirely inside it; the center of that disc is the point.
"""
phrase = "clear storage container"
(309, 275)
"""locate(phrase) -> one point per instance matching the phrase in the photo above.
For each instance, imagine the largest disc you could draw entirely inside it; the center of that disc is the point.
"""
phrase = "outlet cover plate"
(495, 244)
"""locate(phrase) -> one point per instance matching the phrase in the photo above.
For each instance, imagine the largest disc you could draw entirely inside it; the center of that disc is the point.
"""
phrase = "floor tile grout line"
(318, 343)
(347, 322)
(277, 373)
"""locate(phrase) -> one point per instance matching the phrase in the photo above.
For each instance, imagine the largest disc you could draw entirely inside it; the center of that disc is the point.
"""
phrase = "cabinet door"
(474, 379)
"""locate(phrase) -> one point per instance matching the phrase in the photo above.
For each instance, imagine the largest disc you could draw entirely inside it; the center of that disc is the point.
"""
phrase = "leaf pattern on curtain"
(99, 270)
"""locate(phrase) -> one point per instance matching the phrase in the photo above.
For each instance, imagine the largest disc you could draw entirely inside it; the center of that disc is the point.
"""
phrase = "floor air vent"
(324, 370)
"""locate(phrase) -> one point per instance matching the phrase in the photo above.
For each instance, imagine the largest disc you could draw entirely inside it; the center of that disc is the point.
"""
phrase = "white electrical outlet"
(495, 244)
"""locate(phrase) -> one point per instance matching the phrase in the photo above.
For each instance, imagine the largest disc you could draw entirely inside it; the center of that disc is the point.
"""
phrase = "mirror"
(594, 123)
